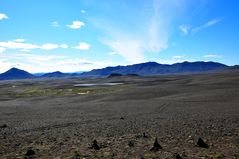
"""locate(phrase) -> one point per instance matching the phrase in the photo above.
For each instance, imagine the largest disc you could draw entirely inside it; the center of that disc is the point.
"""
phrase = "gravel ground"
(57, 120)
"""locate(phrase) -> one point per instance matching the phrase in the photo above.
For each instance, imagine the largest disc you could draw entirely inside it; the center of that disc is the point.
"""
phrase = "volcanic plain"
(91, 118)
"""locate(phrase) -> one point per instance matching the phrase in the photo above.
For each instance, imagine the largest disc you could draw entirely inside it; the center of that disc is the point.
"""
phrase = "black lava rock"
(95, 145)
(3, 126)
(201, 143)
(156, 146)
(131, 144)
(177, 156)
(144, 135)
(121, 118)
(30, 154)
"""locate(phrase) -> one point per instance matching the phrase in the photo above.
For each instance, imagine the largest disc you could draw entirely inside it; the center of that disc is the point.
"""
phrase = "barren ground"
(57, 120)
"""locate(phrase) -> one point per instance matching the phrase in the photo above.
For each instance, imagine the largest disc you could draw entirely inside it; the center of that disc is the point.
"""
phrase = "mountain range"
(154, 68)
(144, 69)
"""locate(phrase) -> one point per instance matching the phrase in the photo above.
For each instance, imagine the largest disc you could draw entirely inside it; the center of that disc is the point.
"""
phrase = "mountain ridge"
(147, 68)
(154, 68)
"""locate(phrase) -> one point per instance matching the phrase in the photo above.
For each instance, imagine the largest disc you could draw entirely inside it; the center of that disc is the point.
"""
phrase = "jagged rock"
(156, 146)
(30, 154)
(201, 143)
(144, 135)
(142, 156)
(131, 144)
(95, 145)
(177, 156)
(76, 156)
(3, 126)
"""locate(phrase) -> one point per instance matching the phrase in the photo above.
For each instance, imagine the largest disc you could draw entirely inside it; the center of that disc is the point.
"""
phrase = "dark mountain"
(153, 68)
(15, 73)
(56, 74)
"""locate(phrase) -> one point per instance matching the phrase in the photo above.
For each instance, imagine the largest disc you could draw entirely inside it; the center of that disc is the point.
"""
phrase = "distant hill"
(54, 74)
(15, 73)
(154, 68)
(59, 74)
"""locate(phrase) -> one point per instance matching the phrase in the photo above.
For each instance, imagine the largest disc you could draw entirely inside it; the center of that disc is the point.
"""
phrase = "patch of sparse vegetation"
(215, 155)
(37, 91)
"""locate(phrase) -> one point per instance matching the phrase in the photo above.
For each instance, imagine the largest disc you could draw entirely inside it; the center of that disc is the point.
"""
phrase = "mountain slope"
(54, 74)
(15, 73)
(153, 68)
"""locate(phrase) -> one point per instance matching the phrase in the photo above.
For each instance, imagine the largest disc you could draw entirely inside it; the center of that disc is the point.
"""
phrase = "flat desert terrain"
(52, 118)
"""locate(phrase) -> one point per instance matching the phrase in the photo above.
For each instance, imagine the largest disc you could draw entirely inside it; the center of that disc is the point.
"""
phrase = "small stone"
(144, 135)
(177, 156)
(30, 153)
(3, 126)
(77, 155)
(201, 143)
(156, 146)
(121, 118)
(95, 145)
(131, 144)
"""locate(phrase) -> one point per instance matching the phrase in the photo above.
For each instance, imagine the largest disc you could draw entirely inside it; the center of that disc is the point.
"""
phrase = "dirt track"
(57, 120)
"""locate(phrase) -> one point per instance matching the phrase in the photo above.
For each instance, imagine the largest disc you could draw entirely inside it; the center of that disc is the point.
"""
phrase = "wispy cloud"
(3, 16)
(212, 56)
(19, 40)
(83, 46)
(186, 30)
(149, 35)
(55, 24)
(22, 45)
(82, 11)
(178, 57)
(76, 24)
(130, 49)
(50, 46)
(206, 25)
(2, 49)
(49, 63)
(112, 53)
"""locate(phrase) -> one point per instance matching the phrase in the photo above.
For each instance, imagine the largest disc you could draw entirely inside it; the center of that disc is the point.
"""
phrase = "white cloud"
(49, 63)
(26, 47)
(184, 29)
(173, 61)
(3, 16)
(158, 31)
(150, 33)
(178, 57)
(49, 46)
(82, 11)
(212, 56)
(25, 50)
(2, 49)
(206, 25)
(113, 53)
(64, 46)
(19, 40)
(55, 24)
(127, 48)
(76, 25)
(83, 46)
(18, 45)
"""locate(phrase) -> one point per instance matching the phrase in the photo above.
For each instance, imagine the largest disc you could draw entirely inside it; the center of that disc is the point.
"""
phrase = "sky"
(80, 35)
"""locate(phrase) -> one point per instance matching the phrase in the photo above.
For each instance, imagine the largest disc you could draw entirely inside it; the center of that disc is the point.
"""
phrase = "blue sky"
(80, 35)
